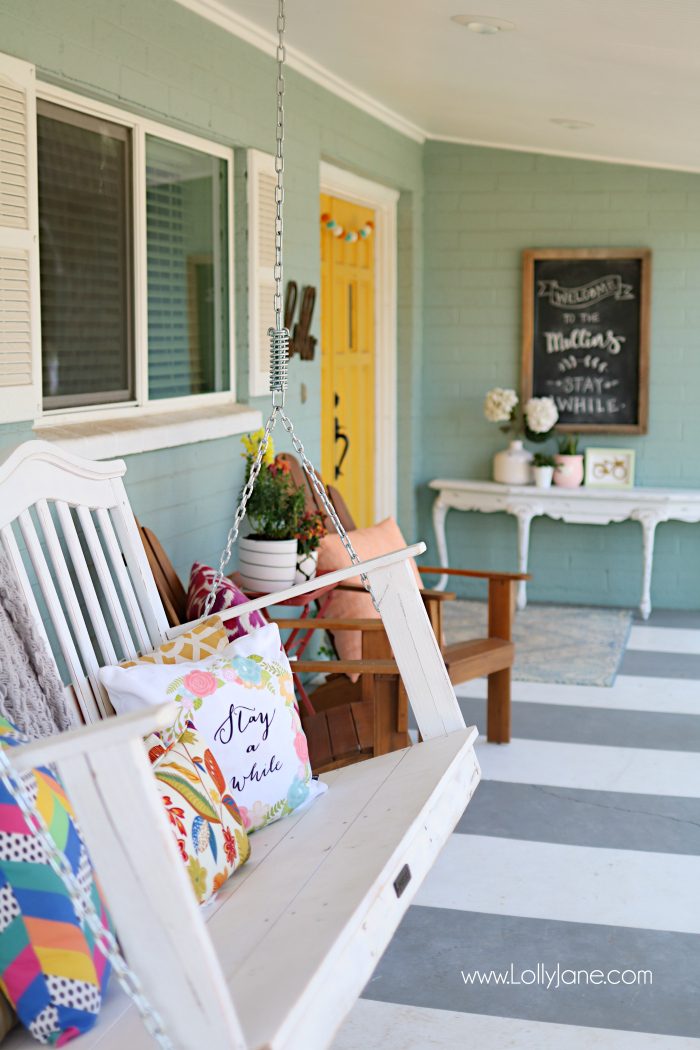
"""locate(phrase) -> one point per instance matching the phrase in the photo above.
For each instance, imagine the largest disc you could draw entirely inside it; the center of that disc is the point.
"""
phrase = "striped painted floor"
(580, 850)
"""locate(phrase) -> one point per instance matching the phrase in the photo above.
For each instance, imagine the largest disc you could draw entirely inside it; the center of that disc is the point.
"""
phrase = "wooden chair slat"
(84, 694)
(80, 567)
(363, 717)
(342, 731)
(119, 569)
(114, 605)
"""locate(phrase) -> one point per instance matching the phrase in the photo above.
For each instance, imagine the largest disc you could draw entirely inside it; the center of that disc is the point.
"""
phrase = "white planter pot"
(542, 476)
(512, 465)
(307, 566)
(267, 565)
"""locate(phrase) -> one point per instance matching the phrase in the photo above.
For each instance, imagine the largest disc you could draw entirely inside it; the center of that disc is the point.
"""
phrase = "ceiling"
(631, 68)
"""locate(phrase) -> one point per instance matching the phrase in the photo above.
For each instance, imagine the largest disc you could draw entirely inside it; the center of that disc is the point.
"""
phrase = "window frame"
(140, 127)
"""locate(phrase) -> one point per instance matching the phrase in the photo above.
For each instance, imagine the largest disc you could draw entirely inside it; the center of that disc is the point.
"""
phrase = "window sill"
(147, 432)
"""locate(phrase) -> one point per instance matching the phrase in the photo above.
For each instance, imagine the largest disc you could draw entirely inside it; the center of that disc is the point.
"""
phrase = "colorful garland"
(351, 235)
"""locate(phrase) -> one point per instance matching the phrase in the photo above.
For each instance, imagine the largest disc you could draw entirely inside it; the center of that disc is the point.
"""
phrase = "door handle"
(340, 435)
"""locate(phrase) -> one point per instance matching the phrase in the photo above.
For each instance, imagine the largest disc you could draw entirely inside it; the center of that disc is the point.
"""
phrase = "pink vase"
(569, 471)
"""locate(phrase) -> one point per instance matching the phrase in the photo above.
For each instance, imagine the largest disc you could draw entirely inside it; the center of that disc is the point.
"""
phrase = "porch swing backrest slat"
(324, 878)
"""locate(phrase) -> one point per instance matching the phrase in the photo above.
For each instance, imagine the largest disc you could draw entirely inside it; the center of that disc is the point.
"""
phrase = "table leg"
(524, 517)
(440, 510)
(648, 523)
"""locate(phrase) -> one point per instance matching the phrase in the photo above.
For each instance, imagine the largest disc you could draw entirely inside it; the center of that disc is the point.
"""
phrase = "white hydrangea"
(499, 405)
(541, 414)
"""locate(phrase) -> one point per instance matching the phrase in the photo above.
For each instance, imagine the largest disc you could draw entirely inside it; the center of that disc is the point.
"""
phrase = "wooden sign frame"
(533, 255)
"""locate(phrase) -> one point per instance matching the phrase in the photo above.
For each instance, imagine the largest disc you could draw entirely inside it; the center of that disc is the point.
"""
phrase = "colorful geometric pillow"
(227, 597)
(204, 818)
(242, 703)
(207, 638)
(50, 968)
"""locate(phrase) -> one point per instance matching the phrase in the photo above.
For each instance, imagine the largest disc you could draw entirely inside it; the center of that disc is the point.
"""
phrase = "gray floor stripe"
(423, 964)
(660, 665)
(595, 725)
(570, 816)
(670, 618)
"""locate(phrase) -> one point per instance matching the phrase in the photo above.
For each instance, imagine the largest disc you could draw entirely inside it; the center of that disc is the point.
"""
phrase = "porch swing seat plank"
(300, 928)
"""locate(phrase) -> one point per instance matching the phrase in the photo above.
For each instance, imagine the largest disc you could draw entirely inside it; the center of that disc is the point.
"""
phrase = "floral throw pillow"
(204, 819)
(227, 596)
(242, 704)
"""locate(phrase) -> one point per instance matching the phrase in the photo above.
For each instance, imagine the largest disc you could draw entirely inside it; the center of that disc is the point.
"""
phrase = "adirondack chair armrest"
(349, 667)
(432, 570)
(440, 596)
(325, 623)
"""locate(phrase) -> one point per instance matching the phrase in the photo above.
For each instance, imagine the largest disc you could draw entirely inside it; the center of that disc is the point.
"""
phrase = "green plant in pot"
(543, 468)
(569, 462)
(268, 556)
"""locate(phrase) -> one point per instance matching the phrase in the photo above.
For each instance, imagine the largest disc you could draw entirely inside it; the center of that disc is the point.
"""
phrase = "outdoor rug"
(553, 643)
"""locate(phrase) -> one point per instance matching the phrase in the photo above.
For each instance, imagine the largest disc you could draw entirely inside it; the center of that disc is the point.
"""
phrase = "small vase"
(569, 472)
(512, 465)
(542, 476)
(267, 565)
(307, 566)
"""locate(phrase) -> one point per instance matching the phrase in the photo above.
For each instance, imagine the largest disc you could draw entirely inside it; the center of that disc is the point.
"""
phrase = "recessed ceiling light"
(483, 24)
(570, 124)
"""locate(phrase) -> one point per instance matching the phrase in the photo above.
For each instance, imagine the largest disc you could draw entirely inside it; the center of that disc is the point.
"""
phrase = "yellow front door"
(347, 356)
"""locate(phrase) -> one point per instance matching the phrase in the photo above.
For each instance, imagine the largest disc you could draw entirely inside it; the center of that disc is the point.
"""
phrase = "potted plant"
(268, 556)
(311, 531)
(535, 422)
(569, 472)
(543, 467)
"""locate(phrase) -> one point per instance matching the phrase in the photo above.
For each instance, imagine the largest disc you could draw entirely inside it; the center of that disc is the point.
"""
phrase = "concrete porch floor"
(581, 848)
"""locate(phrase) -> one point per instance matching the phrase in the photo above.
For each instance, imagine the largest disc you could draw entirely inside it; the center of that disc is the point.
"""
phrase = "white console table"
(583, 506)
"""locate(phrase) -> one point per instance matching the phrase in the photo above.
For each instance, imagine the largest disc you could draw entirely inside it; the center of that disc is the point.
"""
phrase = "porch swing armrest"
(442, 570)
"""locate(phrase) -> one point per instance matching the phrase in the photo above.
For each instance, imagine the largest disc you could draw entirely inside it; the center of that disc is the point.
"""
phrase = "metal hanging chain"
(82, 904)
(279, 354)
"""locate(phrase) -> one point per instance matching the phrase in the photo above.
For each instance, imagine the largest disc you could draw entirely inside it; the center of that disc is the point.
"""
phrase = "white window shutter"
(261, 267)
(20, 337)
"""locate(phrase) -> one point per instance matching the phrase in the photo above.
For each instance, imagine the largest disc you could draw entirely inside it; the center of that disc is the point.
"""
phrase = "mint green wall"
(482, 207)
(157, 58)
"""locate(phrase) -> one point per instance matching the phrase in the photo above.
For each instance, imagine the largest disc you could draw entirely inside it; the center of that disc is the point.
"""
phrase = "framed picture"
(609, 468)
(586, 335)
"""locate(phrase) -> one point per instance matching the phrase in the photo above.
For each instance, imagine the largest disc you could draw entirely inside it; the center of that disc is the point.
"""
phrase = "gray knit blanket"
(31, 692)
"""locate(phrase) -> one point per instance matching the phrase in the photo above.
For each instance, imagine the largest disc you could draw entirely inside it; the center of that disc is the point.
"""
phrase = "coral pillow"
(357, 605)
(227, 597)
(242, 704)
(50, 968)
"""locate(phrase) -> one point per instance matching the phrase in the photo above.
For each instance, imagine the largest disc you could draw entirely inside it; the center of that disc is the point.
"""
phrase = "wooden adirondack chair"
(491, 657)
(280, 957)
(338, 734)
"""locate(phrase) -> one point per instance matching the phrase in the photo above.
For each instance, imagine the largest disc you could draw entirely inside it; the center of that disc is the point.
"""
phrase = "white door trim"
(345, 184)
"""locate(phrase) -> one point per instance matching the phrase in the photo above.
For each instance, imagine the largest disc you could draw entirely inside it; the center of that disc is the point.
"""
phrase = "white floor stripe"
(584, 884)
(629, 693)
(389, 1026)
(598, 768)
(665, 639)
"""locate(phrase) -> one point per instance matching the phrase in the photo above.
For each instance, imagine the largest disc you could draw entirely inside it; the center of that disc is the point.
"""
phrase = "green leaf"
(174, 686)
(199, 802)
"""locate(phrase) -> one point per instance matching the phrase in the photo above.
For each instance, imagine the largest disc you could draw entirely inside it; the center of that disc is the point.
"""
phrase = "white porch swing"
(279, 958)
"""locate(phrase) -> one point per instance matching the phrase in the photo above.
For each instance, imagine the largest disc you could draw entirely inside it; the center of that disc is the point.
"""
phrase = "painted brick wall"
(157, 58)
(482, 207)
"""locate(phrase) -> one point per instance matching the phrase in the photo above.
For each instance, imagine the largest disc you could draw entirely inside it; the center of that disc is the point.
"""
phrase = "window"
(85, 222)
(126, 319)
(186, 224)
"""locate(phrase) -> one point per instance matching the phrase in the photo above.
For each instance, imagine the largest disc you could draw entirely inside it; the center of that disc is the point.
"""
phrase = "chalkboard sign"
(586, 335)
